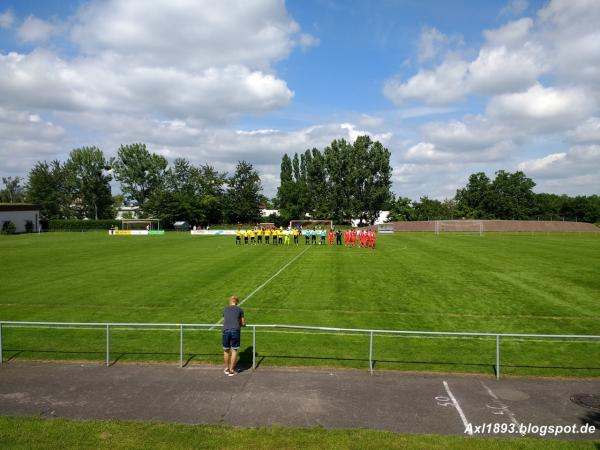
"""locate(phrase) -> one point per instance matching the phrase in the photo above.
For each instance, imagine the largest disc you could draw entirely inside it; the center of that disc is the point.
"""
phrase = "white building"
(20, 214)
(268, 212)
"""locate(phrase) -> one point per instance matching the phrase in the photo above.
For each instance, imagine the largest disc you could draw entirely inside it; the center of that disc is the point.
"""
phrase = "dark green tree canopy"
(90, 183)
(343, 182)
(139, 171)
(243, 194)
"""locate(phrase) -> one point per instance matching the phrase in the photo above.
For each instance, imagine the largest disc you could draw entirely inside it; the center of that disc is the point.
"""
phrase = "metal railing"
(370, 332)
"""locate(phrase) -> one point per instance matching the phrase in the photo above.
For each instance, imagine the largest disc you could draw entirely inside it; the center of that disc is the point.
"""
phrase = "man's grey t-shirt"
(232, 316)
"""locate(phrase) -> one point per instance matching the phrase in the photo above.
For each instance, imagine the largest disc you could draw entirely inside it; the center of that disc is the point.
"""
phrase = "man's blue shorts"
(231, 339)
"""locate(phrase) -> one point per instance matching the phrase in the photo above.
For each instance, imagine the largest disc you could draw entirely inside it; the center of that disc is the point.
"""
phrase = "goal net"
(140, 224)
(325, 224)
(474, 227)
(386, 228)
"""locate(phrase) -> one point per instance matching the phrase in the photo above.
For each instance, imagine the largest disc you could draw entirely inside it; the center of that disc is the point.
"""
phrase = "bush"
(82, 225)
(29, 226)
(8, 227)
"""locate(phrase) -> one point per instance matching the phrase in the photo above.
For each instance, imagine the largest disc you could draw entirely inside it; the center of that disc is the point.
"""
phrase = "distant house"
(20, 214)
(268, 212)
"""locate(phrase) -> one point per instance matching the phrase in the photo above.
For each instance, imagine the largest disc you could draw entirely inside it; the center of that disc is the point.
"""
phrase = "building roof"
(19, 207)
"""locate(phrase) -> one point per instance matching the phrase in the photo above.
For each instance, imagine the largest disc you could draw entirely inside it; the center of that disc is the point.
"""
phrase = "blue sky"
(450, 88)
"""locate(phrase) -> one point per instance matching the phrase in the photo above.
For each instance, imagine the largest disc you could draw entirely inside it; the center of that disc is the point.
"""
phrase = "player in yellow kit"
(238, 237)
(295, 233)
(259, 235)
(267, 235)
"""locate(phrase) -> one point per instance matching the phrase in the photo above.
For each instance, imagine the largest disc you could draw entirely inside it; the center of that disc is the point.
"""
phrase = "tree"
(372, 179)
(243, 194)
(50, 186)
(474, 199)
(90, 184)
(289, 191)
(193, 194)
(139, 171)
(401, 209)
(511, 196)
(13, 192)
(344, 181)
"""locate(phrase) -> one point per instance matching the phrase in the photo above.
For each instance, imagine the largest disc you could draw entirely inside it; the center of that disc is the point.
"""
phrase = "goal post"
(474, 227)
(140, 224)
(304, 223)
(385, 228)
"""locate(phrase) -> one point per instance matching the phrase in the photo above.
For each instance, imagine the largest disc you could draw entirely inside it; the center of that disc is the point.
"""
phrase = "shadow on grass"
(245, 359)
(101, 356)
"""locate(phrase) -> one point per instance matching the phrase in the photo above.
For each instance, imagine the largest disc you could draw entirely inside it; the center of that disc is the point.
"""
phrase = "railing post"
(180, 345)
(253, 347)
(371, 352)
(497, 357)
(107, 345)
(1, 354)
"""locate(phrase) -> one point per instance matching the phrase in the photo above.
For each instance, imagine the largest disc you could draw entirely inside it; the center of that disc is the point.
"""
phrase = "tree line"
(509, 196)
(80, 187)
(344, 181)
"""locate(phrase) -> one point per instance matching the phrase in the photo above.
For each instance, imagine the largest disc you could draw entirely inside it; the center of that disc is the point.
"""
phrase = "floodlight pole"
(497, 357)
(107, 345)
(253, 347)
(180, 345)
(371, 352)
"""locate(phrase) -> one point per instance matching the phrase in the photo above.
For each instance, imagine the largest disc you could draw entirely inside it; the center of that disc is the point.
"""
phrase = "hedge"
(82, 225)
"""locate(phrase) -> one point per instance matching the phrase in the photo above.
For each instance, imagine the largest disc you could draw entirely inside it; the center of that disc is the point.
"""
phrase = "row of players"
(362, 238)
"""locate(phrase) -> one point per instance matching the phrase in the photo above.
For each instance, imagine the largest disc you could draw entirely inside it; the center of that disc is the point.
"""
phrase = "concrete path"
(395, 401)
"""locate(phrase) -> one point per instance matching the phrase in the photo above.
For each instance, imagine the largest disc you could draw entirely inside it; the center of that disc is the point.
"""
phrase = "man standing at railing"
(233, 320)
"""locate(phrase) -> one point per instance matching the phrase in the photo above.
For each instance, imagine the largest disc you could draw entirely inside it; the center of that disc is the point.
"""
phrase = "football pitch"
(498, 283)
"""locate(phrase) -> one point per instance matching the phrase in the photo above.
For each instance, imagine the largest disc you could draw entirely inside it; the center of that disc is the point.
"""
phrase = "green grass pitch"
(514, 283)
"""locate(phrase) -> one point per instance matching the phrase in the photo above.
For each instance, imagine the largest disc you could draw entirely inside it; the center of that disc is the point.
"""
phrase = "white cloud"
(441, 86)
(215, 64)
(587, 132)
(191, 34)
(369, 121)
(572, 172)
(36, 30)
(542, 108)
(431, 41)
(515, 7)
(512, 34)
(509, 61)
(307, 40)
(26, 138)
(498, 70)
(474, 134)
(570, 30)
(426, 151)
(7, 18)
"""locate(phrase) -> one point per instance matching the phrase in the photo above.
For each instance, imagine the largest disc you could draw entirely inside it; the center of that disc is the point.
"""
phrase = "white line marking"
(459, 409)
(265, 283)
(509, 413)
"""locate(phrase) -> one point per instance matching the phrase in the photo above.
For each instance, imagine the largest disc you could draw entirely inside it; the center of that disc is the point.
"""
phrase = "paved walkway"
(395, 401)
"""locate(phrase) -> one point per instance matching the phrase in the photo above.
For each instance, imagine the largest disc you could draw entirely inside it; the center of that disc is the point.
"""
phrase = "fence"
(369, 332)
